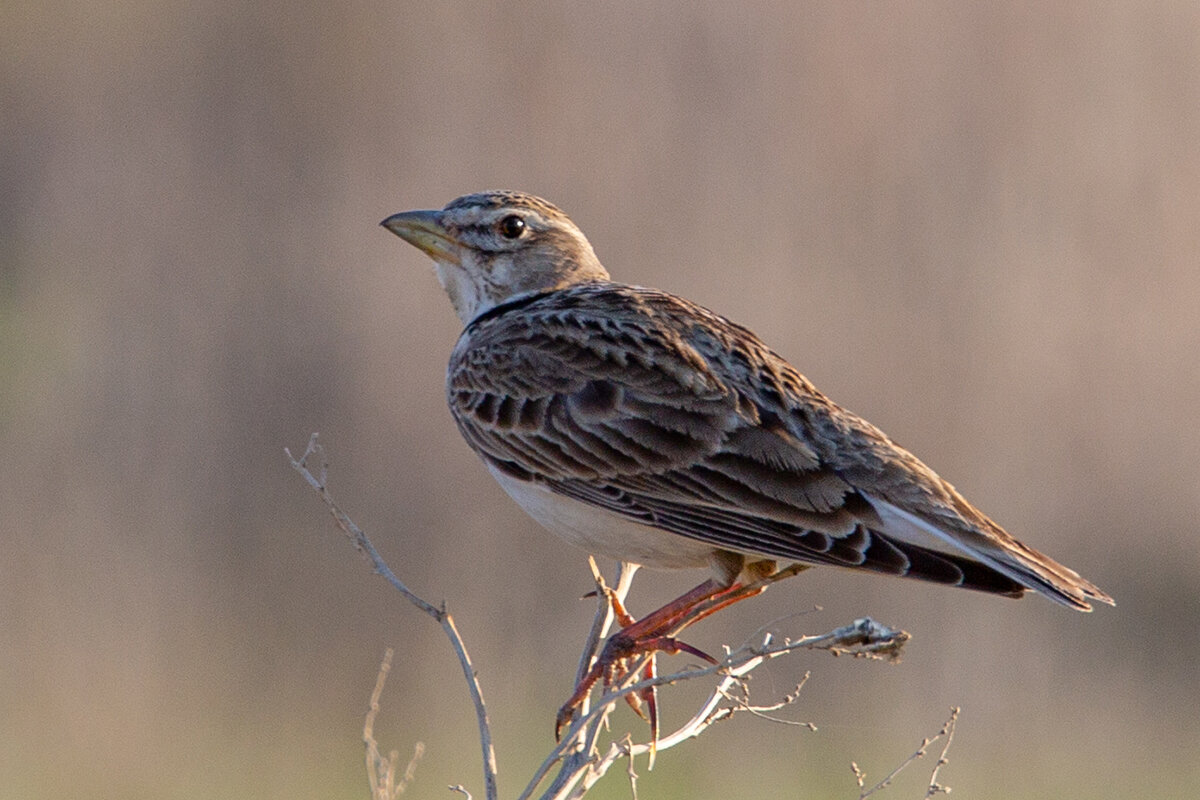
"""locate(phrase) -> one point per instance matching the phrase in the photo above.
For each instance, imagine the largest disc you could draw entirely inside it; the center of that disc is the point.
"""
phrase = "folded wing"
(666, 414)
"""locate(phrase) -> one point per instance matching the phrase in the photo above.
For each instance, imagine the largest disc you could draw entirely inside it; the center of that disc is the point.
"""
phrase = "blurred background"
(976, 225)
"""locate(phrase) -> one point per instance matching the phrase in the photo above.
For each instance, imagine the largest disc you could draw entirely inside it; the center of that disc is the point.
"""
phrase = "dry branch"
(581, 757)
(381, 770)
(360, 540)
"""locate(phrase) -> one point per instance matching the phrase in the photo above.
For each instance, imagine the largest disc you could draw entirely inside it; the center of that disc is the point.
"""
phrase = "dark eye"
(512, 227)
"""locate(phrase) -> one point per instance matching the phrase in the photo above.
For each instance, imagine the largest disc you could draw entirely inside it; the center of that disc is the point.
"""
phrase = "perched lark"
(643, 427)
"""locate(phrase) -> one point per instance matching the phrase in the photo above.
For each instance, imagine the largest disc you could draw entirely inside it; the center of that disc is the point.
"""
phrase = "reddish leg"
(656, 633)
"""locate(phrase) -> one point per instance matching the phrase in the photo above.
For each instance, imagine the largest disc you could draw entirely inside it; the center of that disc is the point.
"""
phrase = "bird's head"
(494, 246)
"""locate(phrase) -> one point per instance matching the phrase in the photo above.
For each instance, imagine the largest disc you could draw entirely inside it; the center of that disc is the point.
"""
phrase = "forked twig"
(381, 770)
(360, 540)
(742, 703)
(862, 638)
(947, 732)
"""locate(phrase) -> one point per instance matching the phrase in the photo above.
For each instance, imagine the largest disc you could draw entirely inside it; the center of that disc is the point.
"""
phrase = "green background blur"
(978, 225)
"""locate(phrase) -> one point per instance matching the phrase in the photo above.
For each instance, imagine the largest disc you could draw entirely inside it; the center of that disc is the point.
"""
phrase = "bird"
(643, 427)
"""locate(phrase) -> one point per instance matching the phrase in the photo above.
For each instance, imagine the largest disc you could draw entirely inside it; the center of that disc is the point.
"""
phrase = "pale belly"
(603, 533)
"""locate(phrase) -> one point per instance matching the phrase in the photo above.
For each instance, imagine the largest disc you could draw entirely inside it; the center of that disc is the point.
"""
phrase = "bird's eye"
(512, 227)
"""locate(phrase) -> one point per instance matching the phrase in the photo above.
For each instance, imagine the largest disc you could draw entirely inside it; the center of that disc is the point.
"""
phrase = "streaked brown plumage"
(644, 427)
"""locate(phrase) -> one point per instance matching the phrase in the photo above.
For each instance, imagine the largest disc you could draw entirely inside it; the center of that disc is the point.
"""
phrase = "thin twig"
(381, 770)
(742, 703)
(580, 740)
(627, 741)
(411, 769)
(360, 540)
(946, 732)
(859, 776)
(863, 638)
(605, 595)
(574, 760)
(374, 758)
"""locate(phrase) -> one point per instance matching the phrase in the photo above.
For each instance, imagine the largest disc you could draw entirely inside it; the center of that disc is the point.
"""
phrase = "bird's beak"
(423, 231)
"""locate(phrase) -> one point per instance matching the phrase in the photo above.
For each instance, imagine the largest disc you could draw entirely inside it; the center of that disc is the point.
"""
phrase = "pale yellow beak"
(423, 231)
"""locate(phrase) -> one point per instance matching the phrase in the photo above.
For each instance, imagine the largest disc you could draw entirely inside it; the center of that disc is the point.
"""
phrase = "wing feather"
(665, 414)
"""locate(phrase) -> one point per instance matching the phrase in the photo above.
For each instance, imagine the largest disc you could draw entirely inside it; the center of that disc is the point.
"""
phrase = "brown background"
(976, 225)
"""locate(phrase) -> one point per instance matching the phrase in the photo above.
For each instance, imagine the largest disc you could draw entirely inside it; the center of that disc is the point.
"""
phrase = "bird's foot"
(654, 634)
(614, 665)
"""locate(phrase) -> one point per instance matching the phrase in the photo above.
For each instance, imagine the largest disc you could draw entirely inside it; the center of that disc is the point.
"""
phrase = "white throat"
(458, 285)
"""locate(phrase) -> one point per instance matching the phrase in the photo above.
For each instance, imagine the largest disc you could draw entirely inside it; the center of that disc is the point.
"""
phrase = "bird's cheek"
(501, 272)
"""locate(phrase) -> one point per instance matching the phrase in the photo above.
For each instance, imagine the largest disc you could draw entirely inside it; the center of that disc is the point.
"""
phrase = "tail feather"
(989, 546)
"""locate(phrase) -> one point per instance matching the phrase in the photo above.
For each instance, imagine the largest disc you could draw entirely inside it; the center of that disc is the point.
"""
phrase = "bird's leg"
(647, 697)
(645, 636)
(656, 633)
(761, 574)
(620, 613)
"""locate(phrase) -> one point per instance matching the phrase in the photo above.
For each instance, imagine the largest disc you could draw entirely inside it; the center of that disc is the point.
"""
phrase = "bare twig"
(381, 770)
(627, 743)
(742, 703)
(863, 638)
(606, 596)
(360, 540)
(579, 756)
(576, 758)
(859, 775)
(947, 732)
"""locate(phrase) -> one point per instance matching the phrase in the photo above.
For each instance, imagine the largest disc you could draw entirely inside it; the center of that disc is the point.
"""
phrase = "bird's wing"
(663, 413)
